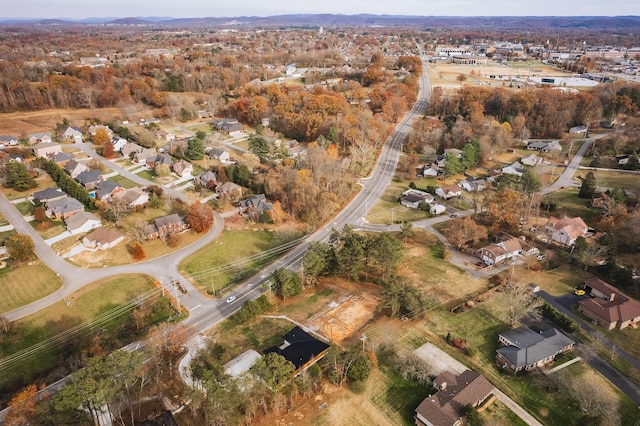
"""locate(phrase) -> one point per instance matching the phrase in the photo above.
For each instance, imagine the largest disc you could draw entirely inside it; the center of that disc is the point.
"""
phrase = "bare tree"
(5, 324)
(517, 302)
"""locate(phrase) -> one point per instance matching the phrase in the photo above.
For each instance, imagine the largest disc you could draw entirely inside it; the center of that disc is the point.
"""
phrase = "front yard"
(23, 283)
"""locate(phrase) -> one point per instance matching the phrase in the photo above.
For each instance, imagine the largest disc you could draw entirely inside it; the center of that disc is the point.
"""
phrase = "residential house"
(166, 136)
(143, 155)
(446, 407)
(36, 138)
(82, 222)
(471, 184)
(206, 179)
(623, 160)
(437, 209)
(6, 140)
(578, 129)
(74, 168)
(566, 230)
(130, 149)
(544, 146)
(62, 158)
(64, 208)
(431, 170)
(219, 154)
(182, 168)
(524, 349)
(72, 133)
(412, 198)
(300, 348)
(531, 160)
(106, 189)
(448, 191)
(228, 125)
(89, 179)
(598, 198)
(155, 160)
(256, 204)
(118, 143)
(49, 194)
(608, 307)
(504, 248)
(453, 151)
(94, 129)
(46, 150)
(230, 190)
(132, 197)
(103, 238)
(514, 169)
(163, 226)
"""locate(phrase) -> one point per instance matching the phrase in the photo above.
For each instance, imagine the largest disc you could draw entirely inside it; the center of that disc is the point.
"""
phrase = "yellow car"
(579, 292)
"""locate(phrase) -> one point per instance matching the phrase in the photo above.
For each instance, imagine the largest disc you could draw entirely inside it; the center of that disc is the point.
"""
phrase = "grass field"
(388, 206)
(232, 257)
(569, 204)
(123, 181)
(147, 174)
(98, 311)
(623, 180)
(25, 283)
(25, 208)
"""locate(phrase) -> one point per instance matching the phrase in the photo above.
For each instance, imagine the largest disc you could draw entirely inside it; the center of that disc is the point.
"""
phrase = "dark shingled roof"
(299, 347)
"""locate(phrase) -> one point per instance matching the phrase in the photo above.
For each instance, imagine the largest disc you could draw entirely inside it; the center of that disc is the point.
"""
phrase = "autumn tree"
(464, 230)
(108, 151)
(162, 170)
(502, 209)
(167, 341)
(588, 251)
(22, 407)
(101, 137)
(20, 246)
(200, 217)
(39, 214)
(138, 252)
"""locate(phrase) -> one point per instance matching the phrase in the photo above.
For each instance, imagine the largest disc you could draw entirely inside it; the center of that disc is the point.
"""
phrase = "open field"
(612, 179)
(388, 207)
(96, 318)
(568, 203)
(22, 123)
(123, 181)
(25, 283)
(234, 255)
(447, 75)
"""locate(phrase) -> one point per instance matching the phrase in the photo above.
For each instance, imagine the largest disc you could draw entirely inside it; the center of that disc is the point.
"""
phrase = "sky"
(79, 9)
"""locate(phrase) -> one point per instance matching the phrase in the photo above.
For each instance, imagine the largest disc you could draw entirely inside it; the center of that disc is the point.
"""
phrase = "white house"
(47, 150)
(514, 169)
(503, 249)
(118, 143)
(82, 222)
(102, 238)
(219, 154)
(72, 133)
(7, 140)
(566, 230)
(531, 160)
(448, 191)
(437, 209)
(132, 197)
(472, 185)
(412, 198)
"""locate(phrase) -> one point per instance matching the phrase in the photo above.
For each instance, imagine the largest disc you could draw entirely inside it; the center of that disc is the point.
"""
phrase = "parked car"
(579, 292)
(453, 215)
(542, 256)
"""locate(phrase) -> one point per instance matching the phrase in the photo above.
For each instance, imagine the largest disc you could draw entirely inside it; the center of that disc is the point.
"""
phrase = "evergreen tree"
(588, 187)
(195, 149)
(18, 177)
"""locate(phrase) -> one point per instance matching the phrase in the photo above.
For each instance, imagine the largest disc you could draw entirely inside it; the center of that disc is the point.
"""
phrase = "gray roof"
(531, 347)
(48, 194)
(62, 156)
(89, 177)
(168, 220)
(7, 138)
(106, 187)
(258, 202)
(65, 205)
(79, 219)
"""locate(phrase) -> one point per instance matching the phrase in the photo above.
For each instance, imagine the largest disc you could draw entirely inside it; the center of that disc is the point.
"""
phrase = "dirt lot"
(22, 123)
(446, 75)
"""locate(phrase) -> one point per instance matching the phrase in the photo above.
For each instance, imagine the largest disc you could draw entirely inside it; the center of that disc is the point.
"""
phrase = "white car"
(231, 299)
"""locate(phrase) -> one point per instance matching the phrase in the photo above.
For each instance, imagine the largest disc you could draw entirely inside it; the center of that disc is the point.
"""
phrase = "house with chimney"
(525, 349)
(72, 133)
(132, 198)
(454, 394)
(74, 168)
(64, 208)
(163, 226)
(504, 248)
(608, 307)
(566, 230)
(46, 150)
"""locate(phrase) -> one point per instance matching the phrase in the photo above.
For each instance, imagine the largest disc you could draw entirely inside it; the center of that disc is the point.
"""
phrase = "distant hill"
(362, 20)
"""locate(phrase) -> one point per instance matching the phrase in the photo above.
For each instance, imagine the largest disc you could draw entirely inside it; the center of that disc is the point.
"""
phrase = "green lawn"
(25, 283)
(123, 181)
(5, 235)
(397, 397)
(258, 334)
(388, 207)
(25, 208)
(568, 203)
(48, 228)
(98, 313)
(615, 179)
(147, 174)
(233, 256)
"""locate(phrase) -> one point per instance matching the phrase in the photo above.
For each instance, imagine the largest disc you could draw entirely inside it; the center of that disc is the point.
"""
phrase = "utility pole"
(213, 290)
(175, 287)
(363, 338)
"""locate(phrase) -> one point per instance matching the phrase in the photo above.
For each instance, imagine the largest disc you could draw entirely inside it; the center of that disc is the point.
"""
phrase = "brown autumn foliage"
(200, 217)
